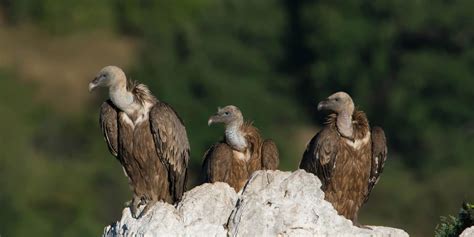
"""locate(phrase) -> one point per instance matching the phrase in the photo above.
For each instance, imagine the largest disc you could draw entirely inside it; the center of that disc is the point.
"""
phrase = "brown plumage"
(346, 155)
(240, 153)
(146, 136)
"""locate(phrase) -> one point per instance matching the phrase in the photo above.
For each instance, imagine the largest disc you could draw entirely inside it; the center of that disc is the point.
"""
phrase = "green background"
(408, 64)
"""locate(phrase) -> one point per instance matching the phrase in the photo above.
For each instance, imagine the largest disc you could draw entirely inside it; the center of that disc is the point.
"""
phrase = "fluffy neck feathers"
(234, 136)
(360, 125)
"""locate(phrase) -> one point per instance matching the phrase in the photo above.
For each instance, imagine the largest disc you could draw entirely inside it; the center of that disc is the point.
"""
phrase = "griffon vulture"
(146, 136)
(346, 155)
(240, 153)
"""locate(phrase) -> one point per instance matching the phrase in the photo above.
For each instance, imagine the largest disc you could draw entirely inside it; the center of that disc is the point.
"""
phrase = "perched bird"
(346, 155)
(146, 136)
(240, 153)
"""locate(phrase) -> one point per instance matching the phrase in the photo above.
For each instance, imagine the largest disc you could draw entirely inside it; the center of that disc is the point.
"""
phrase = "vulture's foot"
(134, 204)
(362, 226)
(147, 207)
(128, 203)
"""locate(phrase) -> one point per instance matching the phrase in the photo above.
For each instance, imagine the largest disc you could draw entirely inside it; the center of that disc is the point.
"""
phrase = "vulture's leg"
(134, 204)
(356, 223)
(149, 204)
(129, 203)
(362, 226)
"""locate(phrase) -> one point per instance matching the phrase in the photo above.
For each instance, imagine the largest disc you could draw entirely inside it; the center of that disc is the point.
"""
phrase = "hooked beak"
(322, 105)
(213, 119)
(210, 121)
(93, 84)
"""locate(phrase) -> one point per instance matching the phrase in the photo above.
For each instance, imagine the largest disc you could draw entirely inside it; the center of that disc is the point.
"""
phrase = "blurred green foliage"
(453, 226)
(408, 64)
(50, 170)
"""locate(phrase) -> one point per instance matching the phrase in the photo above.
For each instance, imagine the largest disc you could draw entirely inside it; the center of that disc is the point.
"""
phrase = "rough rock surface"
(469, 232)
(272, 203)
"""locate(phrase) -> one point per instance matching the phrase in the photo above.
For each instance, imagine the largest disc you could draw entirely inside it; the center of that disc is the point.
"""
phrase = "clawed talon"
(147, 207)
(362, 226)
(143, 201)
(134, 204)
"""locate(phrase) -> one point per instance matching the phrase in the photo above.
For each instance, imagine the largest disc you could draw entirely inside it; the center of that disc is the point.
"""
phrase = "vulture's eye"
(337, 99)
(226, 113)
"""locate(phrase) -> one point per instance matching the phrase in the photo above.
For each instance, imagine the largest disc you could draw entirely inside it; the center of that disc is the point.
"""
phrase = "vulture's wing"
(253, 138)
(217, 163)
(108, 123)
(172, 145)
(320, 155)
(270, 155)
(379, 155)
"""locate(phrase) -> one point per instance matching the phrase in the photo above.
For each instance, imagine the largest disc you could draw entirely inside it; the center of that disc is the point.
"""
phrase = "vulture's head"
(226, 115)
(107, 77)
(338, 102)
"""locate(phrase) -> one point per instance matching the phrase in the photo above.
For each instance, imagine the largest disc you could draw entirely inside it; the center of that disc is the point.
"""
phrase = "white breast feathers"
(358, 143)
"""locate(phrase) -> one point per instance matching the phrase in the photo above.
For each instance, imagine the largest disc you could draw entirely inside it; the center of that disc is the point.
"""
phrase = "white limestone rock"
(276, 203)
(161, 220)
(272, 203)
(469, 232)
(206, 209)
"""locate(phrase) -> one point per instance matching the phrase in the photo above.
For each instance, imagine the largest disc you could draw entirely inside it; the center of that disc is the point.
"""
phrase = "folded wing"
(172, 146)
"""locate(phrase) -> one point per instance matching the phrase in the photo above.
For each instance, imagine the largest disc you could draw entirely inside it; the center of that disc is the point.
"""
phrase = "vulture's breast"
(353, 164)
(358, 144)
(126, 121)
(138, 152)
(351, 176)
(242, 156)
(357, 154)
(136, 136)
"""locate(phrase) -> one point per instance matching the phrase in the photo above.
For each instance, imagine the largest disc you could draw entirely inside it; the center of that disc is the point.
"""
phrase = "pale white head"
(230, 114)
(108, 77)
(338, 102)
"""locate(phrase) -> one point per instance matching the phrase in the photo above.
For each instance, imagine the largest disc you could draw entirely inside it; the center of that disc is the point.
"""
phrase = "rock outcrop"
(469, 232)
(272, 203)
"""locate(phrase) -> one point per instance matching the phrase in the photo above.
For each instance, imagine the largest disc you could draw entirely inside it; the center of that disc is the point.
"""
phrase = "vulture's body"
(348, 158)
(149, 140)
(240, 153)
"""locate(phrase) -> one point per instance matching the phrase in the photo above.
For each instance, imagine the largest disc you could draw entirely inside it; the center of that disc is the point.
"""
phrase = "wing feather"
(172, 145)
(379, 155)
(217, 163)
(320, 155)
(108, 123)
(270, 156)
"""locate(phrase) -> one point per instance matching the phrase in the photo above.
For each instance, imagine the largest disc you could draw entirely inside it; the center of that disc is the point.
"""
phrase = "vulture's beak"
(93, 84)
(91, 87)
(322, 105)
(213, 119)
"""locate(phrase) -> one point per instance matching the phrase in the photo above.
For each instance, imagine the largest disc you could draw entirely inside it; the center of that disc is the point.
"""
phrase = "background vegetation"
(408, 64)
(451, 226)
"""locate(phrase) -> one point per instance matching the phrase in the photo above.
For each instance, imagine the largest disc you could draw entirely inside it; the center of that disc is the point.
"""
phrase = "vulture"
(346, 155)
(146, 136)
(241, 152)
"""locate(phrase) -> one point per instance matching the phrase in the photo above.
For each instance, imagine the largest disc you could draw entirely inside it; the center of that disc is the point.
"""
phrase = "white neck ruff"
(235, 138)
(124, 100)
